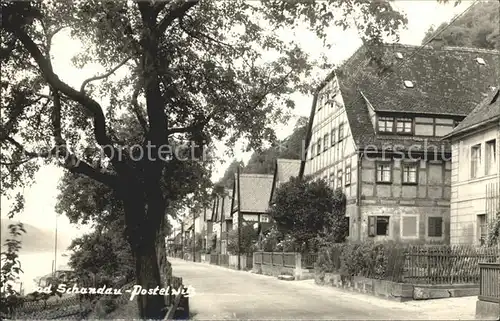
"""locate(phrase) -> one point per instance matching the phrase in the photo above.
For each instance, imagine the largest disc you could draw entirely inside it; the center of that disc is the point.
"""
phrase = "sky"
(41, 197)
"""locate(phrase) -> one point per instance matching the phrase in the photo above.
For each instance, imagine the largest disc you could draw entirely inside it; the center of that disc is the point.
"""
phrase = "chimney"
(437, 42)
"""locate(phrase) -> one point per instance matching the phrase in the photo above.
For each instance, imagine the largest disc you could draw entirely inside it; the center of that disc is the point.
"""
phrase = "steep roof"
(227, 205)
(488, 111)
(286, 168)
(254, 191)
(447, 81)
(283, 171)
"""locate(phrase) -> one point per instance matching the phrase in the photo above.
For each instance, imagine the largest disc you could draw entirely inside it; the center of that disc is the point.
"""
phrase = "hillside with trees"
(262, 162)
(479, 27)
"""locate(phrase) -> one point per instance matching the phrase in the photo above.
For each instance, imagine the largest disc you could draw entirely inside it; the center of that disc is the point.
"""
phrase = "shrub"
(373, 260)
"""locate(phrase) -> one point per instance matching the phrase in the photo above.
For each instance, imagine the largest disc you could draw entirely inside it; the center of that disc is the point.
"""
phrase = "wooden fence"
(308, 260)
(275, 258)
(489, 286)
(445, 264)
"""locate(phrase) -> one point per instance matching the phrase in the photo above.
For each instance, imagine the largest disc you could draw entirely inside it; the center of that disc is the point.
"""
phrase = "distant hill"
(35, 239)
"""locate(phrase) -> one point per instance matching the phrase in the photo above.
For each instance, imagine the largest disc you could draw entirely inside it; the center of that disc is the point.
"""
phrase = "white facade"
(474, 167)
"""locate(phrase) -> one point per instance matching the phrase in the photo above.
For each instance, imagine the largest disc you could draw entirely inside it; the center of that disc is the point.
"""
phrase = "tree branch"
(71, 163)
(56, 119)
(177, 12)
(106, 75)
(91, 105)
(195, 126)
(137, 109)
(203, 35)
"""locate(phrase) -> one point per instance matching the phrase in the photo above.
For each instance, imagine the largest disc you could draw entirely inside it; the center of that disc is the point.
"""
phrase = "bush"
(373, 260)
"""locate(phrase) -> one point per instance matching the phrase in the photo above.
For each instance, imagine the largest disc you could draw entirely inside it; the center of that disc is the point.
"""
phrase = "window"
(321, 99)
(313, 146)
(482, 228)
(385, 124)
(404, 125)
(325, 142)
(348, 223)
(378, 225)
(409, 226)
(348, 175)
(491, 156)
(330, 100)
(332, 180)
(339, 178)
(333, 141)
(410, 173)
(475, 160)
(341, 132)
(424, 126)
(408, 84)
(435, 226)
(384, 173)
(318, 146)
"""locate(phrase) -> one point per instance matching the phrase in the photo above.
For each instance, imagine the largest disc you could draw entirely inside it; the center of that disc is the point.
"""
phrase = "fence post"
(272, 260)
(298, 266)
(283, 258)
(428, 266)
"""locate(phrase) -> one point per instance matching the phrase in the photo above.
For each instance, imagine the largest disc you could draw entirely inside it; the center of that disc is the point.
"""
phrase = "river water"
(38, 264)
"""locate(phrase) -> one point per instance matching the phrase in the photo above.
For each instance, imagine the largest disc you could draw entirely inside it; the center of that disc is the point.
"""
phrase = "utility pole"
(221, 217)
(239, 217)
(182, 239)
(194, 236)
(55, 251)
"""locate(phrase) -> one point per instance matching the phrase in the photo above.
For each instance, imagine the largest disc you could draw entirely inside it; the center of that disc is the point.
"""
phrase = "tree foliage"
(10, 270)
(494, 232)
(248, 240)
(476, 28)
(193, 71)
(303, 208)
(336, 229)
(103, 253)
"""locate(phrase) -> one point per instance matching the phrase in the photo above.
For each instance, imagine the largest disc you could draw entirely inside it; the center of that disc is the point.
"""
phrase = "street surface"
(222, 293)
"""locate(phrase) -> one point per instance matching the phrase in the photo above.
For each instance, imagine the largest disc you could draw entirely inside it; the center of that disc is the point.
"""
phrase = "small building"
(475, 172)
(250, 199)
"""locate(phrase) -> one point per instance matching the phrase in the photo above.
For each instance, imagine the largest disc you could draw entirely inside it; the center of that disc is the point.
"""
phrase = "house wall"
(468, 195)
(430, 197)
(337, 157)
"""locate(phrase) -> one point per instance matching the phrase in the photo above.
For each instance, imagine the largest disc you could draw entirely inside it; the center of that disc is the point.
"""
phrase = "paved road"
(222, 293)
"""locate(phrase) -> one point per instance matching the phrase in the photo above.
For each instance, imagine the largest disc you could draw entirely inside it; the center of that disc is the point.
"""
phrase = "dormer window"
(408, 84)
(399, 55)
(385, 124)
(404, 125)
(480, 61)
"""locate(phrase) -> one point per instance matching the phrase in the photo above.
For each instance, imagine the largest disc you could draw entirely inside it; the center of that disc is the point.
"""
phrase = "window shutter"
(371, 225)
(432, 228)
(439, 226)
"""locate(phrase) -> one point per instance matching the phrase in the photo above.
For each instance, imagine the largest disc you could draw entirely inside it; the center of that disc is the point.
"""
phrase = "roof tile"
(255, 191)
(447, 80)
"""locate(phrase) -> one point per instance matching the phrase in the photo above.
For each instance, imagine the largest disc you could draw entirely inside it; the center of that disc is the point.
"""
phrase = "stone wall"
(394, 291)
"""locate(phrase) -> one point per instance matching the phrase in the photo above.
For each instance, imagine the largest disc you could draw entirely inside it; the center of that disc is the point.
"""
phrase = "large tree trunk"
(142, 227)
(148, 276)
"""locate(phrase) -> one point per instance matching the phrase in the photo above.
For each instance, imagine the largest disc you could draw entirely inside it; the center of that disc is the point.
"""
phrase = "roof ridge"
(288, 160)
(447, 48)
(256, 175)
